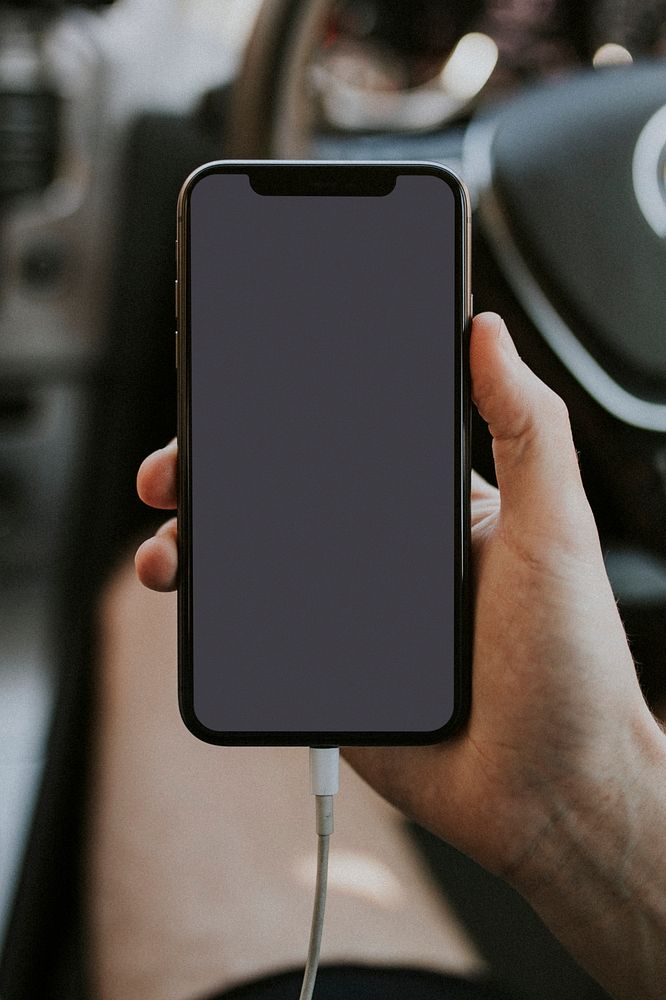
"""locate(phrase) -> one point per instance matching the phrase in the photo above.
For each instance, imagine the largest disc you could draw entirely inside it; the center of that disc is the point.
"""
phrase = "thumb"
(535, 459)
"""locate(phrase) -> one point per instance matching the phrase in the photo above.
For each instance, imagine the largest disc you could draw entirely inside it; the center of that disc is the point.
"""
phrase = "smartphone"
(322, 352)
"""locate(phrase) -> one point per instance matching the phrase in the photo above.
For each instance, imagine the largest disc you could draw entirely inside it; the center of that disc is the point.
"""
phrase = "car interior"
(554, 115)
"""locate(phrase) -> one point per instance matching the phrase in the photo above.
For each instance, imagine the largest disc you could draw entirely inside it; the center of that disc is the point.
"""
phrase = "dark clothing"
(350, 982)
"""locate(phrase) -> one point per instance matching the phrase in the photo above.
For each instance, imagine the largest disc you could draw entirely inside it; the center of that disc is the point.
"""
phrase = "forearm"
(597, 875)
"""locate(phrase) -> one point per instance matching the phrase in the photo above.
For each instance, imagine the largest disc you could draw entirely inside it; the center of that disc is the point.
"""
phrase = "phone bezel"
(330, 177)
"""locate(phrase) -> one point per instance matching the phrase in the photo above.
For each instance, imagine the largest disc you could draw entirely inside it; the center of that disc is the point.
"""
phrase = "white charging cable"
(324, 784)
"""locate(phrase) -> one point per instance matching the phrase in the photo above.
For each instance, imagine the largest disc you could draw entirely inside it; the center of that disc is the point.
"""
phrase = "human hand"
(555, 699)
(558, 721)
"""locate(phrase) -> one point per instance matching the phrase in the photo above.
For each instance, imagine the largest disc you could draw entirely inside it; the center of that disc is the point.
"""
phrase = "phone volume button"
(175, 298)
(176, 348)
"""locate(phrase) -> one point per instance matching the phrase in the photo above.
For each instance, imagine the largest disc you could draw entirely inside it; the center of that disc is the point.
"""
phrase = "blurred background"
(552, 111)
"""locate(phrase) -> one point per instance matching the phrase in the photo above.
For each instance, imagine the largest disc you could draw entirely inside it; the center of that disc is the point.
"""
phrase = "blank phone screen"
(323, 448)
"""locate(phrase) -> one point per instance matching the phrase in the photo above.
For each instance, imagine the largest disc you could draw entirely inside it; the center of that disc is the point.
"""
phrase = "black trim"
(366, 982)
(321, 179)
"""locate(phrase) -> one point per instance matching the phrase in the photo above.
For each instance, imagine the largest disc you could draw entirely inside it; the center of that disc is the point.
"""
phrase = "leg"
(201, 865)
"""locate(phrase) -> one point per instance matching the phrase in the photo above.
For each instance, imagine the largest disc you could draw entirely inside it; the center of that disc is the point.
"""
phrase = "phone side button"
(176, 348)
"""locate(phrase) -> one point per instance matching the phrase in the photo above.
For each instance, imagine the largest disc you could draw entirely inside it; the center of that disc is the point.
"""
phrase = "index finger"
(156, 479)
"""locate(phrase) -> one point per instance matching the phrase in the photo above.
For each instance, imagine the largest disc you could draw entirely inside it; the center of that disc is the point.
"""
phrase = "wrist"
(596, 874)
(598, 812)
